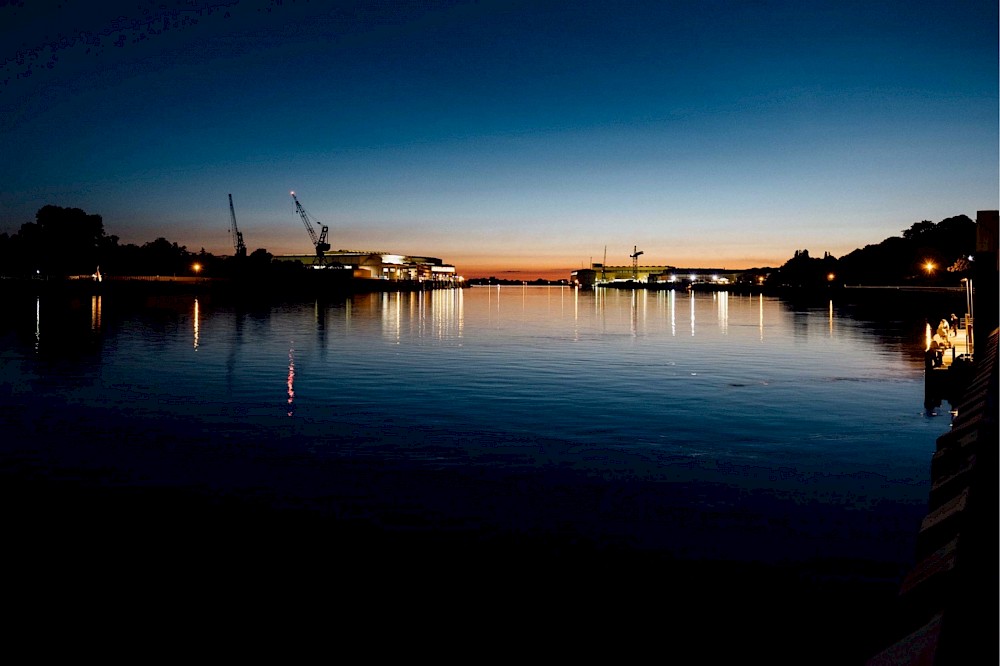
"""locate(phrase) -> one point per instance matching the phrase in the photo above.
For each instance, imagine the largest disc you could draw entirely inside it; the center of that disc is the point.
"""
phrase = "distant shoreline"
(308, 284)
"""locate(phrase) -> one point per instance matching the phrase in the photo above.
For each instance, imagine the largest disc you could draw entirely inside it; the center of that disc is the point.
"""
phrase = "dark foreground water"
(735, 476)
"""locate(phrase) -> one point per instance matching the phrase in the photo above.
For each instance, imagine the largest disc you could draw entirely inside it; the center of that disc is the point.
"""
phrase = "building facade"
(381, 266)
(599, 274)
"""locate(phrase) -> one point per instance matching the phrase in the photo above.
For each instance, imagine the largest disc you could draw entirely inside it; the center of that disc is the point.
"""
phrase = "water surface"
(706, 425)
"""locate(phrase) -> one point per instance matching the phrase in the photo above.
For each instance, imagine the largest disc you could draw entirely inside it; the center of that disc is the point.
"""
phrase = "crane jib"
(238, 245)
(319, 241)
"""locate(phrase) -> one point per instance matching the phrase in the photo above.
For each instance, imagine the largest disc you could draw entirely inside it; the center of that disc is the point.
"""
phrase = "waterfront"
(536, 423)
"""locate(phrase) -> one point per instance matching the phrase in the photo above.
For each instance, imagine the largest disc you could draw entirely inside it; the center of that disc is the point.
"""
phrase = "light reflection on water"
(734, 391)
(95, 312)
(197, 323)
(531, 361)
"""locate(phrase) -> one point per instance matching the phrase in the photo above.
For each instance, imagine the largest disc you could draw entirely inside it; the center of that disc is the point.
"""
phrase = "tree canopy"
(63, 242)
(926, 253)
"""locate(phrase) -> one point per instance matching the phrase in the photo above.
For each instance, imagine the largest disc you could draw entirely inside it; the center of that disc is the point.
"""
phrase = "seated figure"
(943, 330)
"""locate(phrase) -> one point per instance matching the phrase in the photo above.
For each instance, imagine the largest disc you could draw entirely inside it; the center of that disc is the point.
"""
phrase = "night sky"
(504, 136)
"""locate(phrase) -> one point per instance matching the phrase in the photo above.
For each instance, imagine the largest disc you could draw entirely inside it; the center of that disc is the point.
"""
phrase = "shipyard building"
(600, 274)
(380, 266)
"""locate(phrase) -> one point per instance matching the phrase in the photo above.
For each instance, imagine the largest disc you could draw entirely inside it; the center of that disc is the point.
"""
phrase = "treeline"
(927, 254)
(65, 242)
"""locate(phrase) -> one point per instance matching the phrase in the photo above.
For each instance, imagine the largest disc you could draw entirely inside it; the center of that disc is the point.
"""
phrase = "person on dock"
(944, 332)
(936, 349)
(954, 324)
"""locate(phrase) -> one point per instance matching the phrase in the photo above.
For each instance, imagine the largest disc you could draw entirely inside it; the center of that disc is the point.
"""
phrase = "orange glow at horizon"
(522, 270)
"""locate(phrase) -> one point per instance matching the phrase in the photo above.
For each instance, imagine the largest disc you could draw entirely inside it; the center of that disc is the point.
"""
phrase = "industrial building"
(599, 274)
(366, 265)
(379, 265)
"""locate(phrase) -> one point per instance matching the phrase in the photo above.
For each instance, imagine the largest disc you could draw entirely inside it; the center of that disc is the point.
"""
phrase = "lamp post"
(969, 337)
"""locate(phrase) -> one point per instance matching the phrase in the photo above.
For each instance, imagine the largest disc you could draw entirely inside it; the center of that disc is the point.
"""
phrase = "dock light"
(196, 268)
(830, 277)
(929, 267)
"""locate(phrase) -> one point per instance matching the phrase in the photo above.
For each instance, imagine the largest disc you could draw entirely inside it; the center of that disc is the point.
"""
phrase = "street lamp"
(196, 268)
(929, 266)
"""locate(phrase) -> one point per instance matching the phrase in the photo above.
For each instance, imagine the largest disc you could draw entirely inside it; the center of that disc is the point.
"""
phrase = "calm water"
(708, 426)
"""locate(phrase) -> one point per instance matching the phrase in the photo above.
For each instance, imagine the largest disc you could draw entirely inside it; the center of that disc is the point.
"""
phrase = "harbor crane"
(635, 261)
(318, 241)
(241, 249)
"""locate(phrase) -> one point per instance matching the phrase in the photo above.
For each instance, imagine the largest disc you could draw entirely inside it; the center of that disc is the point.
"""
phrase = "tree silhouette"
(162, 257)
(902, 260)
(60, 242)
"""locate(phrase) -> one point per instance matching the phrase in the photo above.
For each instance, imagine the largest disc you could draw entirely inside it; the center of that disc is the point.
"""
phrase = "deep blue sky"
(504, 135)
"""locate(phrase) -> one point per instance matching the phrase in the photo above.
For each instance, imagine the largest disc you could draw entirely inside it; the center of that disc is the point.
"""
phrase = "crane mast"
(241, 249)
(319, 241)
(636, 253)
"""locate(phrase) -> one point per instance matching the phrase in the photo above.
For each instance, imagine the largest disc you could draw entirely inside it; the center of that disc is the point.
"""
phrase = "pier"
(947, 609)
(948, 362)
(960, 346)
